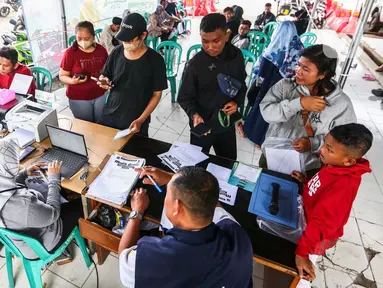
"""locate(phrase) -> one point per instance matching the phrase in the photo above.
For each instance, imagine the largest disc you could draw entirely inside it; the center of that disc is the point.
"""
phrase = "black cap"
(116, 20)
(132, 26)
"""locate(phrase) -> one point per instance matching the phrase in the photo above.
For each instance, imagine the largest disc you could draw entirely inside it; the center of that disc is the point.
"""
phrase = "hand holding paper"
(123, 133)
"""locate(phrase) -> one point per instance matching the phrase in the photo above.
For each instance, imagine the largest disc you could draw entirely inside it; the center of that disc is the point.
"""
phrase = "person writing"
(31, 212)
(108, 34)
(200, 95)
(328, 196)
(196, 252)
(241, 41)
(135, 76)
(9, 67)
(303, 110)
(84, 59)
(266, 17)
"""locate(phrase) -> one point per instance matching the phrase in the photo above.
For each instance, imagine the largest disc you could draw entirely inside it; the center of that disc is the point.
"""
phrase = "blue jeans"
(88, 110)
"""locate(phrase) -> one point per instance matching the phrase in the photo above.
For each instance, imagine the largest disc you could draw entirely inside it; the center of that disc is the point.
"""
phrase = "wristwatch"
(134, 214)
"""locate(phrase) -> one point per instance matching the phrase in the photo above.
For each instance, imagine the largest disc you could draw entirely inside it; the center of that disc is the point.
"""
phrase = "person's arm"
(42, 214)
(259, 20)
(22, 176)
(275, 109)
(272, 18)
(139, 202)
(187, 96)
(106, 40)
(154, 25)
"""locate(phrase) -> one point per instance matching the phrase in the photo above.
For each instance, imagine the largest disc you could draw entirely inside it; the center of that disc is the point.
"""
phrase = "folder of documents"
(244, 176)
(261, 199)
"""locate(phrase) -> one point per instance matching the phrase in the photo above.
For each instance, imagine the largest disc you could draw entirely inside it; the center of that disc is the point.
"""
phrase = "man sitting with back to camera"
(196, 252)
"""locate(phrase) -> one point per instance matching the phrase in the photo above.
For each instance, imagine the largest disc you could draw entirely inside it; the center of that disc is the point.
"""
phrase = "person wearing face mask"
(83, 60)
(136, 75)
(205, 248)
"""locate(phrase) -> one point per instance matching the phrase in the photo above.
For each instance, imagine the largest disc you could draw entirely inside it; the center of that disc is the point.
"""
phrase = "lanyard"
(223, 118)
(18, 187)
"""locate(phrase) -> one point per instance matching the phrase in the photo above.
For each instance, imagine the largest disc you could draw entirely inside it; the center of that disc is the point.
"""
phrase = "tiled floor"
(354, 262)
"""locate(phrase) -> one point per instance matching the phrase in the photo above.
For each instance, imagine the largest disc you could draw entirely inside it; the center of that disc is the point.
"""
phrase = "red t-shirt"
(6, 80)
(89, 64)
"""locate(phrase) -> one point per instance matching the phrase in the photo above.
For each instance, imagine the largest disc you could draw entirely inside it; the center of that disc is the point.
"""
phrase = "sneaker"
(377, 92)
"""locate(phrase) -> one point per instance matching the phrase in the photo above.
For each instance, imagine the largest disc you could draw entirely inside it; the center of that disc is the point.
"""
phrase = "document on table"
(283, 160)
(24, 137)
(178, 144)
(227, 192)
(21, 83)
(247, 173)
(116, 180)
(39, 183)
(182, 156)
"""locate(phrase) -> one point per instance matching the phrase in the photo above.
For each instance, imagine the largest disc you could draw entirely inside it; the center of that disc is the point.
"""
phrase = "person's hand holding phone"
(197, 119)
(76, 79)
(104, 82)
(230, 108)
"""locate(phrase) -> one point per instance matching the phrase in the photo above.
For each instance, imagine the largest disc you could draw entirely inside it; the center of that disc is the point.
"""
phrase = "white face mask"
(132, 46)
(85, 44)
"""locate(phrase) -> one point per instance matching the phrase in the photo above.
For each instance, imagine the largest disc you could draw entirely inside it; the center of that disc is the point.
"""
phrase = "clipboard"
(243, 183)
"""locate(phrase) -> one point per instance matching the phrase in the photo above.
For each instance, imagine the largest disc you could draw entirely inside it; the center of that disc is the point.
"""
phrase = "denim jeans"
(88, 110)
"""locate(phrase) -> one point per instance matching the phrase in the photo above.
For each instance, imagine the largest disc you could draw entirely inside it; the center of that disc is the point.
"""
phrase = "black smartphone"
(200, 129)
(81, 76)
(26, 152)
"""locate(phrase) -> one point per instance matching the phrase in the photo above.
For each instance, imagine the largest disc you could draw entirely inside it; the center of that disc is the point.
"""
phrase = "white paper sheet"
(24, 137)
(247, 173)
(21, 83)
(178, 144)
(283, 160)
(116, 180)
(227, 192)
(122, 134)
(221, 173)
(182, 156)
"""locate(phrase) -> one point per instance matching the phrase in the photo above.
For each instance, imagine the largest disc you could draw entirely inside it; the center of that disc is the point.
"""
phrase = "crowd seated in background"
(160, 24)
(241, 41)
(9, 66)
(108, 34)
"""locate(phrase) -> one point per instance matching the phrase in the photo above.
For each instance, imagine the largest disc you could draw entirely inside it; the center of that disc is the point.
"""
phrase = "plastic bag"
(279, 230)
(286, 144)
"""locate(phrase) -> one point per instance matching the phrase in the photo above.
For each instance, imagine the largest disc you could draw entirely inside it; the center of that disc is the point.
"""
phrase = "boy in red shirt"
(329, 195)
(9, 67)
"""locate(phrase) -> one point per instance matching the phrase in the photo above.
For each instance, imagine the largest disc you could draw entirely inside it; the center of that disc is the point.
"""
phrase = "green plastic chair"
(71, 40)
(152, 41)
(42, 76)
(33, 267)
(98, 34)
(174, 38)
(270, 28)
(172, 62)
(187, 22)
(249, 58)
(195, 48)
(308, 39)
(258, 42)
(146, 16)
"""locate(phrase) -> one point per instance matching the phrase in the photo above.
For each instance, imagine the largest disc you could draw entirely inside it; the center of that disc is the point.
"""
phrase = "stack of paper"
(116, 180)
(21, 83)
(24, 137)
(228, 192)
(283, 160)
(182, 155)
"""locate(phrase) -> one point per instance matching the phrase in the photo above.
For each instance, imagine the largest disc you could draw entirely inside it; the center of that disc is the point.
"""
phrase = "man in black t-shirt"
(232, 22)
(170, 8)
(137, 77)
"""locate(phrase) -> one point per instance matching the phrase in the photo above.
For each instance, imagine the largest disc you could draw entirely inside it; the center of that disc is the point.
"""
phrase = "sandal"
(368, 77)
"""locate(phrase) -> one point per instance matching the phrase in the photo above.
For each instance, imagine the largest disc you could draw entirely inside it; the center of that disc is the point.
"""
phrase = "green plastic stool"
(269, 28)
(71, 40)
(98, 34)
(152, 41)
(33, 267)
(42, 76)
(172, 63)
(251, 59)
(174, 38)
(308, 39)
(187, 23)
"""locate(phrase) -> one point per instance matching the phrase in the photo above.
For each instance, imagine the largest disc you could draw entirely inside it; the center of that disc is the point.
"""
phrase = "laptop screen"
(67, 140)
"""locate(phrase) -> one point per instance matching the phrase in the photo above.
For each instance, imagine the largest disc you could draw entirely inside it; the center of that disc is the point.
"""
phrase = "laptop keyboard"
(68, 160)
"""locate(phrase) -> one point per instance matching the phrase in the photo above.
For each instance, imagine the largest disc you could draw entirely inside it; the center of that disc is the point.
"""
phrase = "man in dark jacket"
(200, 94)
(264, 18)
(232, 22)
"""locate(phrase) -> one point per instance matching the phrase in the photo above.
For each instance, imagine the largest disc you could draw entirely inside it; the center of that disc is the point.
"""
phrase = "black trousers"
(224, 144)
(71, 212)
(165, 36)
